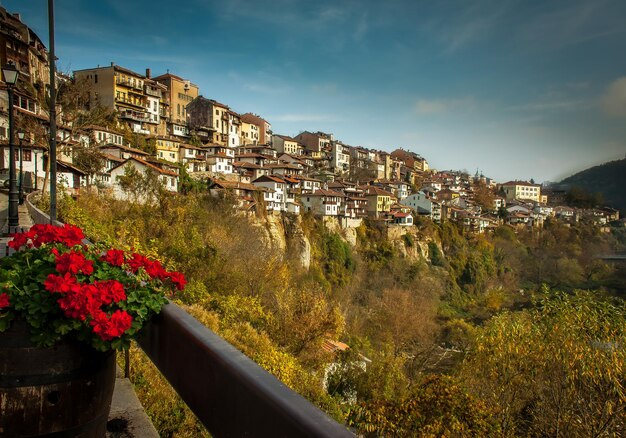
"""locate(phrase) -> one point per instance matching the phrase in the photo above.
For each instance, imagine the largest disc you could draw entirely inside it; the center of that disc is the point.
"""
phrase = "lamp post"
(10, 73)
(35, 154)
(20, 136)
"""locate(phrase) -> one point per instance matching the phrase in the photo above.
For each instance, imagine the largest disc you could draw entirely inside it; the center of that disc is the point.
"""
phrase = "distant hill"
(608, 179)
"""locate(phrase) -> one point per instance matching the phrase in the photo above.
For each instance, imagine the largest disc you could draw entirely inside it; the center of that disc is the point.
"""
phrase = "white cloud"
(614, 99)
(436, 106)
(548, 105)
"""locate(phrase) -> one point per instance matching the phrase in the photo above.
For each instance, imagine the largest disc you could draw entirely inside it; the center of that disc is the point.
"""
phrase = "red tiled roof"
(237, 185)
(378, 191)
(520, 183)
(270, 178)
(333, 346)
(246, 165)
(124, 148)
(323, 192)
(152, 166)
(250, 155)
(113, 158)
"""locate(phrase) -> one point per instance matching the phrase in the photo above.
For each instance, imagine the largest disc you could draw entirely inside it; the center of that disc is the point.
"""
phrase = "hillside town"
(163, 126)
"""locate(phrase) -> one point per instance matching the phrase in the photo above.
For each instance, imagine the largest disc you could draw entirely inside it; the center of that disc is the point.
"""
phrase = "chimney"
(148, 73)
(18, 16)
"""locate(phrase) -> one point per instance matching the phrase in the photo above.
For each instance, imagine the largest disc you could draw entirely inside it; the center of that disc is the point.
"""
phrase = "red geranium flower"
(111, 291)
(19, 240)
(4, 300)
(154, 269)
(70, 235)
(60, 283)
(81, 302)
(178, 279)
(73, 262)
(109, 328)
(136, 261)
(114, 257)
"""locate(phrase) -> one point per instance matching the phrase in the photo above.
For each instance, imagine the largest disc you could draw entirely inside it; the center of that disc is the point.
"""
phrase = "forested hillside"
(450, 334)
(608, 179)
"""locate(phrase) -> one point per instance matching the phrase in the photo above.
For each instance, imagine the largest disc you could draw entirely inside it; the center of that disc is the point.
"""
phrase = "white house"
(419, 202)
(168, 178)
(323, 202)
(340, 157)
(402, 218)
(70, 177)
(193, 158)
(123, 152)
(32, 163)
(275, 196)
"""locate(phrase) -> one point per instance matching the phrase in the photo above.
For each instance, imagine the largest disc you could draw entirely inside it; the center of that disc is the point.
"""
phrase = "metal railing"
(229, 393)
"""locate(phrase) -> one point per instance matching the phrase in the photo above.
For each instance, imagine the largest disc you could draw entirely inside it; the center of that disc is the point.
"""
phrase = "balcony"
(133, 102)
(153, 92)
(230, 394)
(127, 83)
(134, 115)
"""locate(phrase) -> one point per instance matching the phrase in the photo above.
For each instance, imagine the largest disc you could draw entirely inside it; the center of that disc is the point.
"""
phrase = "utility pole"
(53, 117)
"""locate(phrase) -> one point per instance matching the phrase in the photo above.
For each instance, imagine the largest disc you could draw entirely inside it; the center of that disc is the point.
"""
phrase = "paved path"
(4, 208)
(25, 220)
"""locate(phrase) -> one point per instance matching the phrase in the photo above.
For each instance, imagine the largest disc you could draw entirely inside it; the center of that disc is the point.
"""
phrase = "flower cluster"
(68, 235)
(103, 294)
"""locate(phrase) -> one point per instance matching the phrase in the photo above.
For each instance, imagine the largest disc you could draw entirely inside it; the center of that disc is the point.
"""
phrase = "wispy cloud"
(614, 98)
(466, 23)
(437, 106)
(577, 22)
(304, 117)
(325, 88)
(260, 83)
(361, 28)
(548, 105)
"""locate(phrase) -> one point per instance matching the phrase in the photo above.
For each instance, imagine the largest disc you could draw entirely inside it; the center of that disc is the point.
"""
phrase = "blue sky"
(518, 89)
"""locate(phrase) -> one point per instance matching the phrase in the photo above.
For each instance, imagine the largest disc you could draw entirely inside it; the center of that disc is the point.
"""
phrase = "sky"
(516, 89)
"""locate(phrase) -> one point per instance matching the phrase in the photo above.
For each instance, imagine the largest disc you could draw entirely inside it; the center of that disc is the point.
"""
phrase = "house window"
(26, 155)
(95, 79)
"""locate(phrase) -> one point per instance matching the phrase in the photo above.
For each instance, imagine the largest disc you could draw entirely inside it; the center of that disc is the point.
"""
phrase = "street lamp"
(20, 135)
(10, 74)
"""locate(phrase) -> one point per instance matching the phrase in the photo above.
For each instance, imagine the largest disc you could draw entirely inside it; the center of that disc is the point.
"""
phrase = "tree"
(90, 160)
(556, 370)
(483, 196)
(75, 117)
(439, 406)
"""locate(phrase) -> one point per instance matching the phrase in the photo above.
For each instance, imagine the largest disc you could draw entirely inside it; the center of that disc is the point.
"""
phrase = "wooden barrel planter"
(61, 391)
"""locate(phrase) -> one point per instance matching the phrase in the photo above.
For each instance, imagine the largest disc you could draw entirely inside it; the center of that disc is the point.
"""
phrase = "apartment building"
(180, 93)
(263, 126)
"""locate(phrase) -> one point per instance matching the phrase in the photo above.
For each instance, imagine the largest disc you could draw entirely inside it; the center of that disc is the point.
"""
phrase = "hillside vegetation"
(608, 179)
(465, 335)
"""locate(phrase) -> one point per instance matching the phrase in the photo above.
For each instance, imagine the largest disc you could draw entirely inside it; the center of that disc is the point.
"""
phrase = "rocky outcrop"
(286, 233)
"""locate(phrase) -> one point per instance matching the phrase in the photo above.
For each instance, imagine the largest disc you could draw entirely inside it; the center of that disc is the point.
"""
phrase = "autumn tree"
(483, 196)
(438, 406)
(556, 370)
